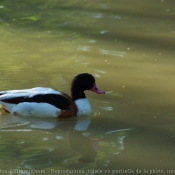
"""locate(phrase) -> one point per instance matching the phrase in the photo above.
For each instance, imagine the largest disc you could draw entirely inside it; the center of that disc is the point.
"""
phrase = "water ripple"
(107, 108)
(113, 53)
(84, 48)
(95, 113)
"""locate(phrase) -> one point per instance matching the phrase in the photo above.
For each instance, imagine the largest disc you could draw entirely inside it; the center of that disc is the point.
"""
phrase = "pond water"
(129, 47)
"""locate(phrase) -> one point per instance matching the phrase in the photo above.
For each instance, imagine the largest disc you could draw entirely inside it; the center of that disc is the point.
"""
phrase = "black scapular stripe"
(2, 93)
(53, 99)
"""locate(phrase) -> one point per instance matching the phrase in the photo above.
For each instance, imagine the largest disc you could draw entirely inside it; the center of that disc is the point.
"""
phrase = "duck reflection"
(80, 143)
(87, 148)
(47, 143)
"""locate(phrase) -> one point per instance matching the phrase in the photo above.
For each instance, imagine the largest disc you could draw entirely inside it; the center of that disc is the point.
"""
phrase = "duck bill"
(96, 90)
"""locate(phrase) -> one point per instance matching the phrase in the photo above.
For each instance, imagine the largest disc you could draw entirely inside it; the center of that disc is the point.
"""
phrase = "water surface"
(129, 47)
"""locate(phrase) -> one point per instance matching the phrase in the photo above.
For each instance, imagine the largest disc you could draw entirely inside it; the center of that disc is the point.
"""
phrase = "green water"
(128, 45)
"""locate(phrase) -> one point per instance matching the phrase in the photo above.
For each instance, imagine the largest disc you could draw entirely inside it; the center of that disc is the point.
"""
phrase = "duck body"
(39, 101)
(47, 102)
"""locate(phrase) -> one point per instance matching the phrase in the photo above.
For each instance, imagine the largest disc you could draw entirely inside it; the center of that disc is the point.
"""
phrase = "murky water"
(129, 47)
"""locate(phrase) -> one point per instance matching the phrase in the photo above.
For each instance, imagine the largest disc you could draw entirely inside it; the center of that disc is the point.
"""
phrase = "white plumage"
(30, 108)
(84, 107)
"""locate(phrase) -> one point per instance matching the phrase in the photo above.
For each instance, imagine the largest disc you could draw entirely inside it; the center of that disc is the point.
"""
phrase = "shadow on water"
(59, 16)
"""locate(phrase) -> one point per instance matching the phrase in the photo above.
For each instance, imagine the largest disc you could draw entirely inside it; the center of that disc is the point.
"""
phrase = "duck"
(47, 102)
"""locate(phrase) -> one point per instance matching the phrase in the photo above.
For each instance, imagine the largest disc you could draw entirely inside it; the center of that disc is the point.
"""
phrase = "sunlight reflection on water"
(113, 53)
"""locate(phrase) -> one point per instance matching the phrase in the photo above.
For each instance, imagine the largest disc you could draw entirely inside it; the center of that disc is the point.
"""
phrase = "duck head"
(81, 83)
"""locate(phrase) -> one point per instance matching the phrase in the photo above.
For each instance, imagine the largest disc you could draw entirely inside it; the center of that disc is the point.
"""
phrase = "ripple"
(59, 137)
(84, 48)
(92, 41)
(38, 157)
(100, 71)
(80, 59)
(109, 92)
(17, 130)
(113, 93)
(80, 64)
(45, 138)
(70, 161)
(92, 15)
(107, 108)
(95, 113)
(104, 31)
(113, 53)
(86, 134)
(97, 75)
(119, 130)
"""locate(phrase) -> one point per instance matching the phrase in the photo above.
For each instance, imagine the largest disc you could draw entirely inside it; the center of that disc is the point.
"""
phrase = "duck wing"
(56, 100)
(37, 95)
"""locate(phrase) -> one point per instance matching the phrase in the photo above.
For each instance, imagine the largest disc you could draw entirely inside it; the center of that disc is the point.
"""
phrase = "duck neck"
(81, 102)
(77, 95)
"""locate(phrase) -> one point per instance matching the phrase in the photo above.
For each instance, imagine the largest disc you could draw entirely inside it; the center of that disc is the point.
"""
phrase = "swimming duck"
(47, 102)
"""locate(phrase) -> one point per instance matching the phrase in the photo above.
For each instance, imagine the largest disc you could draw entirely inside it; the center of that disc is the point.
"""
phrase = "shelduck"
(47, 102)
